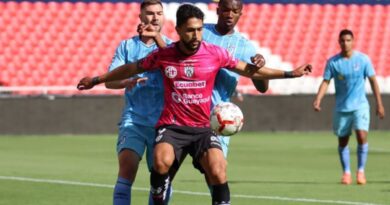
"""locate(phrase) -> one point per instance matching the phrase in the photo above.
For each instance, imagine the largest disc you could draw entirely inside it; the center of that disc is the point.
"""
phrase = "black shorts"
(188, 140)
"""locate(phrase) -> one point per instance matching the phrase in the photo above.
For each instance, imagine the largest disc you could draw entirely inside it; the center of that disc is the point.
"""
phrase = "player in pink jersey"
(189, 67)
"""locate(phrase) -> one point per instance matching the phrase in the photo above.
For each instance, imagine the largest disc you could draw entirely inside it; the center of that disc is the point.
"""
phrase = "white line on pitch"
(52, 181)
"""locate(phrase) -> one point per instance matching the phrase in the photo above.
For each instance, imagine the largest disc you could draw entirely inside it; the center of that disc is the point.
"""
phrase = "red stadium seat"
(72, 39)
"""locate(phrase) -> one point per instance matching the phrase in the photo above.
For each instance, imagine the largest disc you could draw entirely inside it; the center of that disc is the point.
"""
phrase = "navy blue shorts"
(188, 140)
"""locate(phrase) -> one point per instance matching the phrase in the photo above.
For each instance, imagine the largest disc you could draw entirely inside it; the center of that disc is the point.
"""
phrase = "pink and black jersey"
(188, 82)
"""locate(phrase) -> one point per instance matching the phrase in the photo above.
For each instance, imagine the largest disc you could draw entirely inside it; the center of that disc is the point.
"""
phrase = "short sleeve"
(119, 57)
(328, 73)
(150, 62)
(249, 52)
(368, 68)
(226, 59)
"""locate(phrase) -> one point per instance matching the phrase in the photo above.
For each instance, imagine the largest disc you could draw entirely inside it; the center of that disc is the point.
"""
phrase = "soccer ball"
(226, 119)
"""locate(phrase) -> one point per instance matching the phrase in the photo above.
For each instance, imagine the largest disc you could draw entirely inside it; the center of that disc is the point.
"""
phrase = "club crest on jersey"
(356, 67)
(170, 72)
(189, 70)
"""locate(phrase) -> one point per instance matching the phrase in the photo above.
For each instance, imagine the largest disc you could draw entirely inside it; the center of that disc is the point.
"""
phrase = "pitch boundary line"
(277, 198)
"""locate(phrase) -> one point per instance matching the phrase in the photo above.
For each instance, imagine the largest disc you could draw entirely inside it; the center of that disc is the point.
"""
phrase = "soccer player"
(224, 35)
(349, 69)
(189, 68)
(143, 103)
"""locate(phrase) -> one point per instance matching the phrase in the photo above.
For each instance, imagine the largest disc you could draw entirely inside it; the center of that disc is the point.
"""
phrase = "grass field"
(264, 168)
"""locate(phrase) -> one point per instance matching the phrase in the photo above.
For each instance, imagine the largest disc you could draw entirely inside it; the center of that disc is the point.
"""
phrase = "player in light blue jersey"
(143, 103)
(349, 69)
(224, 35)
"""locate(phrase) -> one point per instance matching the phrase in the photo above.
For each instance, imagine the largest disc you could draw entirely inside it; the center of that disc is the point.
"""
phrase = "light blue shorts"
(137, 138)
(225, 144)
(345, 122)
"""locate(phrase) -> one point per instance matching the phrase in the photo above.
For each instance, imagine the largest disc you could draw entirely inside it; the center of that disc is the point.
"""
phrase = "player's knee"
(218, 172)
(128, 172)
(162, 164)
(128, 169)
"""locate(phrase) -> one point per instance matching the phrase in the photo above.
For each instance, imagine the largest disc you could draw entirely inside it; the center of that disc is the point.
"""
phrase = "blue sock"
(362, 152)
(167, 198)
(122, 192)
(344, 158)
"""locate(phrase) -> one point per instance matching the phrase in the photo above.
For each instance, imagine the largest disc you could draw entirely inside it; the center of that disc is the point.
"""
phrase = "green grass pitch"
(264, 168)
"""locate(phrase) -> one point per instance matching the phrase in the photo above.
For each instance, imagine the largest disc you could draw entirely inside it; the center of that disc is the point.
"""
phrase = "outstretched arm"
(380, 110)
(126, 83)
(254, 72)
(321, 92)
(122, 72)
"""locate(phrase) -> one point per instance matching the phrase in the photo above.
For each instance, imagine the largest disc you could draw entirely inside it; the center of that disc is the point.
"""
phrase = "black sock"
(221, 194)
(159, 185)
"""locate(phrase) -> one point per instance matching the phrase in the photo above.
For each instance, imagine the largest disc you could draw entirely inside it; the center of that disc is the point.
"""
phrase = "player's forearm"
(159, 41)
(115, 84)
(122, 72)
(263, 73)
(376, 92)
(322, 90)
(269, 73)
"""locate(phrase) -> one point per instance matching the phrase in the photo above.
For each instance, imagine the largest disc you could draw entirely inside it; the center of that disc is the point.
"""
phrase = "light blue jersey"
(143, 106)
(349, 77)
(226, 81)
(143, 103)
(240, 47)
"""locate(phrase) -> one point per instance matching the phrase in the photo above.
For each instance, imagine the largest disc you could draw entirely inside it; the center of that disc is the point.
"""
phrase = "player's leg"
(169, 192)
(150, 136)
(224, 140)
(128, 166)
(163, 159)
(361, 124)
(130, 148)
(342, 126)
(214, 164)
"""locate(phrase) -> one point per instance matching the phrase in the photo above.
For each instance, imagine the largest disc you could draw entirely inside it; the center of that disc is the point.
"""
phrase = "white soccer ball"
(226, 119)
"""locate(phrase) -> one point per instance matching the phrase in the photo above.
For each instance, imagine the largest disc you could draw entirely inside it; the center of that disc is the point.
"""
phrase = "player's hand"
(146, 30)
(380, 111)
(317, 105)
(85, 84)
(131, 83)
(258, 60)
(302, 70)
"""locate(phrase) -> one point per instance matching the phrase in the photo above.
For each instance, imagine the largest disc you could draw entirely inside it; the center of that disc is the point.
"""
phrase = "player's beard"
(192, 45)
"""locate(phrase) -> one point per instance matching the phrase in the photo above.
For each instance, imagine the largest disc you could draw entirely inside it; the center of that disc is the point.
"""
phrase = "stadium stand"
(47, 46)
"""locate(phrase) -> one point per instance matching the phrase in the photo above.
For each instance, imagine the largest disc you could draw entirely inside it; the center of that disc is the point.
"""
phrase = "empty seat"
(74, 39)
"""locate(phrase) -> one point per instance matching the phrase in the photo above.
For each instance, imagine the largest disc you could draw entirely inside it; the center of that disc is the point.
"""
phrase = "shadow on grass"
(378, 182)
